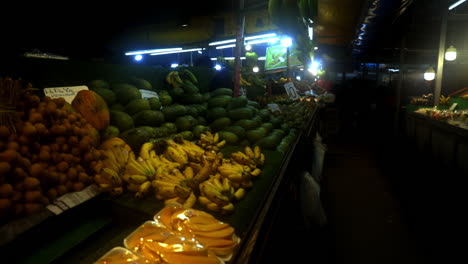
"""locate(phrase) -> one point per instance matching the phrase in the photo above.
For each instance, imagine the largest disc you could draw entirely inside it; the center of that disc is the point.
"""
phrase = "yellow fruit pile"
(177, 170)
(218, 237)
(49, 151)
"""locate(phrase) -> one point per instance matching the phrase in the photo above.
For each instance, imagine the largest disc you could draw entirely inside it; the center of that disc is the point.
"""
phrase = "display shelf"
(446, 143)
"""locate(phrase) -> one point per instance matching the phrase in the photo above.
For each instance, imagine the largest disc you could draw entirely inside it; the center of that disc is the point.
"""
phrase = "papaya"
(221, 91)
(220, 123)
(230, 137)
(93, 108)
(240, 113)
(219, 101)
(137, 105)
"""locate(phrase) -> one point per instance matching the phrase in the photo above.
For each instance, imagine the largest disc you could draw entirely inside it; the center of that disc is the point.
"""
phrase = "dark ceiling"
(81, 29)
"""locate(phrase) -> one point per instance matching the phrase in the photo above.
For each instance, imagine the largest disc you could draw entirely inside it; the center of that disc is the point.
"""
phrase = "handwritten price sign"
(68, 93)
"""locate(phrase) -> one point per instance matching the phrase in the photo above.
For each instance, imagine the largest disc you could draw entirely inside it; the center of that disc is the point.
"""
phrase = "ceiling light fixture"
(226, 46)
(456, 4)
(175, 51)
(451, 53)
(265, 40)
(136, 52)
(429, 75)
(261, 36)
(221, 42)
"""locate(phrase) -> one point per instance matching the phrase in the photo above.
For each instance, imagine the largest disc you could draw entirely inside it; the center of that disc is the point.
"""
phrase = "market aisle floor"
(387, 204)
(365, 220)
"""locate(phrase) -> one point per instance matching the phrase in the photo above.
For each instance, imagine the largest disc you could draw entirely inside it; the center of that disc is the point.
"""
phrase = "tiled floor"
(385, 204)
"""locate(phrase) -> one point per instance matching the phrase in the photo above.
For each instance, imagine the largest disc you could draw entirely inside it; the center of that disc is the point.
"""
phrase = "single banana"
(137, 179)
(188, 172)
(226, 185)
(228, 208)
(169, 77)
(177, 78)
(190, 201)
(217, 183)
(112, 176)
(256, 172)
(212, 206)
(144, 189)
(216, 138)
(203, 200)
(249, 152)
(145, 150)
(239, 193)
(257, 152)
(222, 233)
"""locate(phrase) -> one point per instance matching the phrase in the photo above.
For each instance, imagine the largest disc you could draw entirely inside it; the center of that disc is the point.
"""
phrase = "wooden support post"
(239, 48)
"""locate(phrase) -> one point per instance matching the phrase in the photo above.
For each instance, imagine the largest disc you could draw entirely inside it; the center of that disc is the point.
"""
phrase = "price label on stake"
(454, 105)
(67, 92)
(291, 91)
(145, 94)
(274, 108)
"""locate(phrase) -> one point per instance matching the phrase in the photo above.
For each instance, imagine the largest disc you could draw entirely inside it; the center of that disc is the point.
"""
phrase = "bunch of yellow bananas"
(180, 167)
(185, 74)
(210, 141)
(217, 194)
(116, 155)
(244, 82)
(253, 158)
(138, 175)
(176, 186)
(237, 173)
(217, 236)
(444, 100)
(159, 244)
(173, 78)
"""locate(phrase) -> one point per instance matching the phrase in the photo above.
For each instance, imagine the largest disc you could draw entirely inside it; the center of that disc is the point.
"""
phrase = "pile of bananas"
(217, 194)
(158, 244)
(210, 141)
(233, 178)
(177, 78)
(444, 100)
(177, 170)
(110, 170)
(213, 234)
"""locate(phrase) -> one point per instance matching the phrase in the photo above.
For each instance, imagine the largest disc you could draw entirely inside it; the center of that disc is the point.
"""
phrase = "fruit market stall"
(441, 131)
(81, 173)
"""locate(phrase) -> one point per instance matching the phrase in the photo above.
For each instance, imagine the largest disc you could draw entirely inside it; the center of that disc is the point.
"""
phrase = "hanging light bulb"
(451, 53)
(429, 75)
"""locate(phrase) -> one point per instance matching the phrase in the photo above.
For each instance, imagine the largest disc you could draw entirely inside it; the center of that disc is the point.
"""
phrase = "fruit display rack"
(87, 231)
(446, 143)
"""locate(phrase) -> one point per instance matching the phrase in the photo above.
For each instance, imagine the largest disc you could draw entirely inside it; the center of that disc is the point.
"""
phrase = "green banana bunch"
(188, 75)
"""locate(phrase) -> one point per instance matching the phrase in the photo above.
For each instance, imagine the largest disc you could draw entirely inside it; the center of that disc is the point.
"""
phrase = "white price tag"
(68, 93)
(274, 107)
(291, 91)
(454, 105)
(73, 199)
(145, 94)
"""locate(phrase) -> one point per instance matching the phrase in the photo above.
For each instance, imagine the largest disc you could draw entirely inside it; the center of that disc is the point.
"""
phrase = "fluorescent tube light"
(221, 42)
(261, 58)
(226, 46)
(456, 4)
(258, 41)
(261, 36)
(176, 51)
(136, 52)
